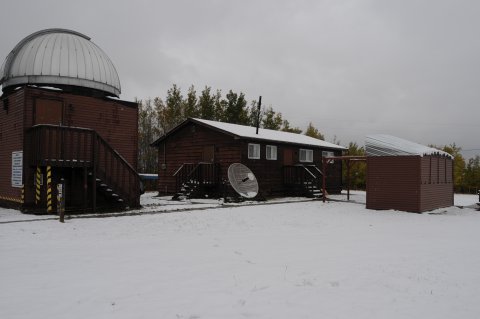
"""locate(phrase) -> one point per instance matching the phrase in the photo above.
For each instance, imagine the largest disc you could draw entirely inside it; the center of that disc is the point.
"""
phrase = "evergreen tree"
(148, 131)
(173, 104)
(272, 120)
(472, 175)
(220, 107)
(358, 170)
(236, 111)
(206, 104)
(253, 116)
(286, 128)
(191, 108)
(313, 132)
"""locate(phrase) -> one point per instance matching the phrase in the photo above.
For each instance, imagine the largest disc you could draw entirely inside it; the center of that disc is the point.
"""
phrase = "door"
(48, 112)
(208, 154)
(287, 157)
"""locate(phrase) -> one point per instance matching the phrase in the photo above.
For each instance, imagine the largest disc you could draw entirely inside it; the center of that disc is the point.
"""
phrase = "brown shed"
(194, 158)
(407, 176)
(61, 122)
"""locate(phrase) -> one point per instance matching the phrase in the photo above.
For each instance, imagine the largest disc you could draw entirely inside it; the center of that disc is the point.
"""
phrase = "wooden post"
(324, 179)
(348, 179)
(85, 187)
(94, 172)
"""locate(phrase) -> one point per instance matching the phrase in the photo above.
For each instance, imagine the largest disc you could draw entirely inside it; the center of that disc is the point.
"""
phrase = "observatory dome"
(60, 57)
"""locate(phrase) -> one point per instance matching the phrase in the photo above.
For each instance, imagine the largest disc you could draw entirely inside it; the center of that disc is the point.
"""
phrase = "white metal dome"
(60, 57)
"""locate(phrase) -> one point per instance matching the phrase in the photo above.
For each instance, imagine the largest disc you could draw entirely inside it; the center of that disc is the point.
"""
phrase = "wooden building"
(62, 123)
(194, 158)
(407, 176)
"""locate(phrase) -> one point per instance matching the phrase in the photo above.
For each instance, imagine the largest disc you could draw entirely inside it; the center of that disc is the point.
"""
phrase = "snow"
(387, 145)
(268, 135)
(296, 259)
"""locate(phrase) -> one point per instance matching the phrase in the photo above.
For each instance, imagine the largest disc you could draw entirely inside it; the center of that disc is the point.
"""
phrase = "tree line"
(157, 116)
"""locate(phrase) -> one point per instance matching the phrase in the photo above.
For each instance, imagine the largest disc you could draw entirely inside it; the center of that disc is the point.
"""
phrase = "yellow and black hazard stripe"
(49, 189)
(38, 180)
(11, 199)
(23, 194)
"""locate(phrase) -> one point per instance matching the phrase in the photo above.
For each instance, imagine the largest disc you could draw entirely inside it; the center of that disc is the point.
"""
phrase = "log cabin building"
(194, 158)
(407, 176)
(61, 122)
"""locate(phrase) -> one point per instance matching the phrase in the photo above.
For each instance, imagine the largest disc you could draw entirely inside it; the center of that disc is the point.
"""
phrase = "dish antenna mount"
(242, 180)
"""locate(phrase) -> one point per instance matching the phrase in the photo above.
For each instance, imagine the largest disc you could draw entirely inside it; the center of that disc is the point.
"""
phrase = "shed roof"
(249, 132)
(387, 145)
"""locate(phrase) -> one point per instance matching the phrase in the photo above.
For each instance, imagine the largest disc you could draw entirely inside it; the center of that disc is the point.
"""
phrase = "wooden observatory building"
(407, 176)
(61, 122)
(194, 158)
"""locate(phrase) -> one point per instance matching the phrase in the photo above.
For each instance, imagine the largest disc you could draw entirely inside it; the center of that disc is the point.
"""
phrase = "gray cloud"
(407, 68)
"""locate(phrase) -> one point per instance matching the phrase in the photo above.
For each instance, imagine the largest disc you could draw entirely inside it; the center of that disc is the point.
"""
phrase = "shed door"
(287, 156)
(48, 112)
(208, 154)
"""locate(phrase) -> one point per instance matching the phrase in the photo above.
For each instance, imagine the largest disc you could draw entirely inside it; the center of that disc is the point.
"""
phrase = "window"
(254, 151)
(306, 155)
(271, 152)
(328, 154)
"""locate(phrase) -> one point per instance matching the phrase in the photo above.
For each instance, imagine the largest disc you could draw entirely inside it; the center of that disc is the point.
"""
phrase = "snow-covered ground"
(302, 259)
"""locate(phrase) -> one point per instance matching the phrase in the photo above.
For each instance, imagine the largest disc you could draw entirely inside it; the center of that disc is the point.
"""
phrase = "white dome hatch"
(60, 57)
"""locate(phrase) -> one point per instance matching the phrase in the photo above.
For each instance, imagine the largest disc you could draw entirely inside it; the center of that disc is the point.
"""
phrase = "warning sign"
(17, 169)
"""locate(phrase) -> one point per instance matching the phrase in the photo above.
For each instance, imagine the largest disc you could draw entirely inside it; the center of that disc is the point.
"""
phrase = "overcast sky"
(352, 68)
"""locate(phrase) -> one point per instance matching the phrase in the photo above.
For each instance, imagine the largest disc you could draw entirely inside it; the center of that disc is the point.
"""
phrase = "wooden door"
(48, 112)
(208, 154)
(288, 157)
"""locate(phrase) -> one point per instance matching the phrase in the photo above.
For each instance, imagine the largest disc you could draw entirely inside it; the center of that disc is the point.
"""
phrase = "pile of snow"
(284, 260)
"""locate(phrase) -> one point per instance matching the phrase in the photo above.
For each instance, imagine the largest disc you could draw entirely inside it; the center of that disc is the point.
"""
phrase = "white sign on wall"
(17, 169)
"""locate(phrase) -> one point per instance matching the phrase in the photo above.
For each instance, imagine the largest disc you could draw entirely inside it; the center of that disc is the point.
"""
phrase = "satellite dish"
(242, 180)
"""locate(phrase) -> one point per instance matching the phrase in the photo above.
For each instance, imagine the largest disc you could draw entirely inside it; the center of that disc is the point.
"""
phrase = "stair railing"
(60, 146)
(301, 176)
(65, 146)
(200, 174)
(117, 173)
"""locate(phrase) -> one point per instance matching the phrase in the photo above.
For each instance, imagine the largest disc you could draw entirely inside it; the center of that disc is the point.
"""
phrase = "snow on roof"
(387, 145)
(269, 135)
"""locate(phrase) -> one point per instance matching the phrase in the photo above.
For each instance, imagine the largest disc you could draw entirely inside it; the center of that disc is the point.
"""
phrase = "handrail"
(300, 175)
(199, 174)
(66, 146)
(180, 168)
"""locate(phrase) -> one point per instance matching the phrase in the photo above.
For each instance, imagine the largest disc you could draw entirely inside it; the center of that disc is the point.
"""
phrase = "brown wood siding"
(393, 182)
(409, 183)
(439, 192)
(11, 139)
(115, 121)
(187, 145)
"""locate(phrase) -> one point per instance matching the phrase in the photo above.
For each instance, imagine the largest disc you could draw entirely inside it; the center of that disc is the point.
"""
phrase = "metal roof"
(249, 132)
(387, 145)
(60, 57)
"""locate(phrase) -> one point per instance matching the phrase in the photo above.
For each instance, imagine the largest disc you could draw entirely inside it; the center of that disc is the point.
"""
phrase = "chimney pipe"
(258, 113)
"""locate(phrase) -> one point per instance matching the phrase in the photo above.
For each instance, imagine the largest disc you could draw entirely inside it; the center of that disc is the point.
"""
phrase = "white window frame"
(271, 152)
(328, 154)
(308, 155)
(253, 151)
